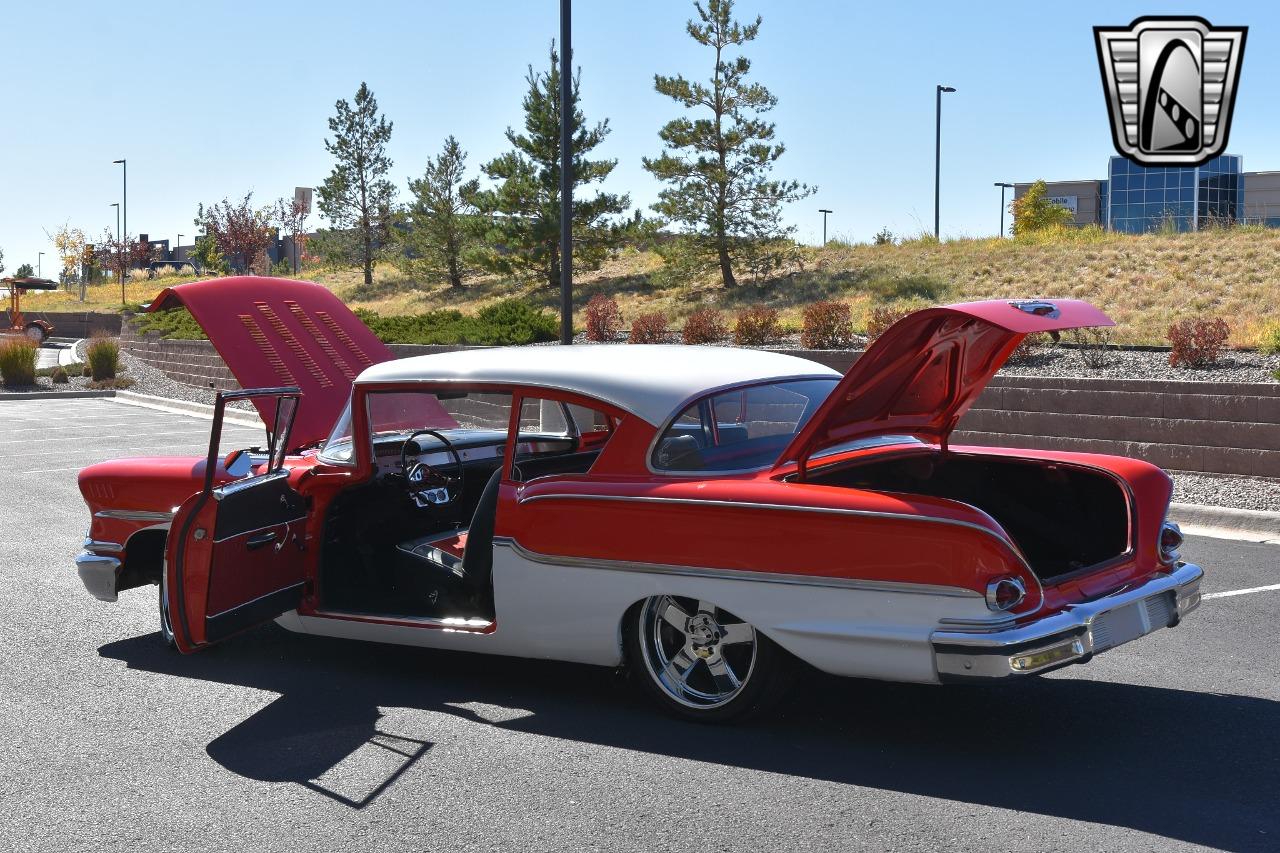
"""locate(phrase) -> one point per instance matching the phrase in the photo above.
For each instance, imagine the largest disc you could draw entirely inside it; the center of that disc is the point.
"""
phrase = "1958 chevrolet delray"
(702, 515)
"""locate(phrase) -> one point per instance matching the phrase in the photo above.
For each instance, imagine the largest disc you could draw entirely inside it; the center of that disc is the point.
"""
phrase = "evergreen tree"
(357, 195)
(442, 217)
(718, 166)
(522, 213)
(25, 271)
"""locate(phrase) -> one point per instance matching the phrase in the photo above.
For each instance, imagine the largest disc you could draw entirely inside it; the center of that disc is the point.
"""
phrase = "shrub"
(510, 322)
(880, 319)
(756, 326)
(176, 323)
(18, 362)
(826, 326)
(604, 319)
(1027, 349)
(103, 357)
(1197, 343)
(649, 329)
(86, 370)
(884, 237)
(59, 376)
(118, 383)
(704, 326)
(1094, 346)
(1269, 342)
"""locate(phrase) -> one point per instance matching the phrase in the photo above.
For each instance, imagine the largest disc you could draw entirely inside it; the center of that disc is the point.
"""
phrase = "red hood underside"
(926, 370)
(278, 332)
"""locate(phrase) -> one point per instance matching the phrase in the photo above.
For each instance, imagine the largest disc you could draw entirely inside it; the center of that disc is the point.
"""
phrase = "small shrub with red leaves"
(826, 326)
(880, 319)
(704, 326)
(756, 326)
(604, 319)
(1197, 343)
(649, 329)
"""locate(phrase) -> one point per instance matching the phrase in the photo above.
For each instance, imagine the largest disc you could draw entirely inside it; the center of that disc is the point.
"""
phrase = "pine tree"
(356, 194)
(718, 167)
(522, 223)
(442, 217)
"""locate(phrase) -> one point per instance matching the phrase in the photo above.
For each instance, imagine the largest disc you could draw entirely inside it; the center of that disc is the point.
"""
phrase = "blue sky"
(213, 100)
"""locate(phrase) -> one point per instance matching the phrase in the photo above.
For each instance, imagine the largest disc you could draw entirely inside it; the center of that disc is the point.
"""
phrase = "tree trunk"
(726, 268)
(368, 254)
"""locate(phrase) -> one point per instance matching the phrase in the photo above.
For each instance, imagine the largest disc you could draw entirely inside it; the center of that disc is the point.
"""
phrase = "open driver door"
(235, 555)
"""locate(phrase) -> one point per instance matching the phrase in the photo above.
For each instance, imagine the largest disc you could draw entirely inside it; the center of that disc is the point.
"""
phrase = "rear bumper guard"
(1072, 636)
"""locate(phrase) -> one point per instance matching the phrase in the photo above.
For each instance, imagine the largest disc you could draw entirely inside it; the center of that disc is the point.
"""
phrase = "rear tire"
(35, 333)
(700, 662)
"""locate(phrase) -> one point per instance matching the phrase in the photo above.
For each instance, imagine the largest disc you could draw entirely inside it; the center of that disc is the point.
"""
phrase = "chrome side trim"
(98, 573)
(732, 574)
(133, 515)
(100, 547)
(455, 623)
(864, 513)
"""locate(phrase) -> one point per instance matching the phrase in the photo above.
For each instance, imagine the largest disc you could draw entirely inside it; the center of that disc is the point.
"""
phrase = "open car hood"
(274, 332)
(926, 370)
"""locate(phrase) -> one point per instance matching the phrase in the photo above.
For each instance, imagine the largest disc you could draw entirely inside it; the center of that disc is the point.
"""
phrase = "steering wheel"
(428, 486)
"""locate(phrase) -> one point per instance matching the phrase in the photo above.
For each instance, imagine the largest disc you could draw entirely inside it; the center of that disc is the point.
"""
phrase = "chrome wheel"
(166, 624)
(697, 654)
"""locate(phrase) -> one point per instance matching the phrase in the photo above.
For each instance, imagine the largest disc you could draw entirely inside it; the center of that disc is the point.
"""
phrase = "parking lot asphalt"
(279, 742)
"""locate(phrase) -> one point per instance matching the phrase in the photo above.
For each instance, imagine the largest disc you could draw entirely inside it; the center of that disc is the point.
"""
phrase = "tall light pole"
(937, 160)
(824, 213)
(39, 264)
(119, 259)
(125, 194)
(566, 172)
(1003, 187)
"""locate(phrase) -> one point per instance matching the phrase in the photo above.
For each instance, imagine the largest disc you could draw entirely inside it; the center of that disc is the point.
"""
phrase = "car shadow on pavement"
(1197, 767)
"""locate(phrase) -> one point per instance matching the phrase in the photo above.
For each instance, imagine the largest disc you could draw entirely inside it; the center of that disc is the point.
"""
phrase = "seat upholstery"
(439, 553)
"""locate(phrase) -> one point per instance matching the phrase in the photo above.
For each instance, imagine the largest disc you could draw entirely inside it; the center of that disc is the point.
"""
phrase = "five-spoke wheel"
(699, 660)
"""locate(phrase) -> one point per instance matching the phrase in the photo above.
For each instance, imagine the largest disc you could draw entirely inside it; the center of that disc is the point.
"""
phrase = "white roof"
(649, 381)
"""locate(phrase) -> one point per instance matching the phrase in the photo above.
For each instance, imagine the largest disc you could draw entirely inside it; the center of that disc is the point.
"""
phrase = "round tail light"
(1005, 593)
(1170, 542)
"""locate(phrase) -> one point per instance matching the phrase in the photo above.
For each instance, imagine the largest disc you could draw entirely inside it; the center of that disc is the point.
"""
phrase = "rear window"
(739, 430)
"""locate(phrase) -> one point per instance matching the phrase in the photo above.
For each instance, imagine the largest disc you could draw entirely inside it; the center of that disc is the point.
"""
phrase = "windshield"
(337, 448)
(400, 412)
(739, 430)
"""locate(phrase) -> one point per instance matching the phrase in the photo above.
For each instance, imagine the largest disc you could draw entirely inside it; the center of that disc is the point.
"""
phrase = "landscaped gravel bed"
(150, 380)
(1129, 364)
(1235, 492)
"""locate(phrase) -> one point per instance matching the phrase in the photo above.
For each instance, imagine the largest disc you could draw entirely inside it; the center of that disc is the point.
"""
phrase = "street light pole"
(566, 172)
(937, 160)
(39, 264)
(119, 260)
(1003, 187)
(178, 244)
(824, 213)
(124, 198)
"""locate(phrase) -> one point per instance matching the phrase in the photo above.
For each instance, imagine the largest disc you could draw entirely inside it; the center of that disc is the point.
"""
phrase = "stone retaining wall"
(1214, 427)
(77, 324)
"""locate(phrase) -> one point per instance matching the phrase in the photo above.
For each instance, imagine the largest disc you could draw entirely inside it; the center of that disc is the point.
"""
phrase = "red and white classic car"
(702, 515)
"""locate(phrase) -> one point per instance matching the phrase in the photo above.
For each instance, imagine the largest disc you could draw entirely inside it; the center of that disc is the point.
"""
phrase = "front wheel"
(166, 623)
(36, 333)
(700, 662)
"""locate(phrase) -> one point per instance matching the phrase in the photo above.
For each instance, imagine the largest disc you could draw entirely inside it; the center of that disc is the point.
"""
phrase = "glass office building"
(1138, 199)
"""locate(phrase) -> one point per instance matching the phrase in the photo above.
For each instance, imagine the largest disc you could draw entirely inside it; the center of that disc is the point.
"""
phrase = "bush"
(176, 323)
(1269, 342)
(510, 322)
(604, 319)
(59, 376)
(103, 358)
(756, 326)
(1197, 343)
(117, 383)
(704, 326)
(826, 326)
(86, 370)
(17, 361)
(1094, 346)
(649, 329)
(880, 319)
(884, 237)
(1027, 349)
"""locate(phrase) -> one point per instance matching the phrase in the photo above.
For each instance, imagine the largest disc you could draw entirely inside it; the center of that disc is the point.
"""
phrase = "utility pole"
(937, 161)
(824, 213)
(566, 172)
(1003, 187)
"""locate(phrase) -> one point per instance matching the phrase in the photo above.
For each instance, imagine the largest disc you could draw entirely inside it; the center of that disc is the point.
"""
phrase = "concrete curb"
(68, 355)
(55, 395)
(184, 407)
(1226, 523)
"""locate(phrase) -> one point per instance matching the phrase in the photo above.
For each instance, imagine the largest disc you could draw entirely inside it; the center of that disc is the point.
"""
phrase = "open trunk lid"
(279, 332)
(925, 371)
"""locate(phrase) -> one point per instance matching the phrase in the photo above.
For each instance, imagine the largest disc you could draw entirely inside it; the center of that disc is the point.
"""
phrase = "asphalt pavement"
(280, 742)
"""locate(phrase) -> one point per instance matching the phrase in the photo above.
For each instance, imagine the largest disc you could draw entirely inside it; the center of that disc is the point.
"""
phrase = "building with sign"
(1137, 199)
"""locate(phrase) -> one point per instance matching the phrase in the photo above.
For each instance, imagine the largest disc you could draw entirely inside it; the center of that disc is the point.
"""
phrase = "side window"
(558, 438)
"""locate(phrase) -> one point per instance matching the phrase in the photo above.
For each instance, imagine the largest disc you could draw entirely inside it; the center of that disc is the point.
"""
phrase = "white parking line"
(1271, 588)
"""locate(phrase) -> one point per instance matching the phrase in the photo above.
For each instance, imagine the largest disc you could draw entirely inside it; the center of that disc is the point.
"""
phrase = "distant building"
(1137, 199)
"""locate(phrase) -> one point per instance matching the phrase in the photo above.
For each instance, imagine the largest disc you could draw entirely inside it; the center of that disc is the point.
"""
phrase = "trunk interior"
(1064, 518)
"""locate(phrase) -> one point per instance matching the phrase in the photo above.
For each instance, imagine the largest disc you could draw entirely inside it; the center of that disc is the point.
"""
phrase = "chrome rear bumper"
(99, 573)
(1073, 636)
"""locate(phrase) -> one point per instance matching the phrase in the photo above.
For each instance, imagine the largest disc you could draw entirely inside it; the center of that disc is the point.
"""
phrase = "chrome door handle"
(260, 540)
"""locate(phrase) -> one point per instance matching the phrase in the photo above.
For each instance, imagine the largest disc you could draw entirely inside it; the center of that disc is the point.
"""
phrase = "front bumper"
(99, 573)
(1072, 636)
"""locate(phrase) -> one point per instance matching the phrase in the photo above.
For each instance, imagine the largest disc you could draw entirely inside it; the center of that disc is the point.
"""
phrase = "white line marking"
(1271, 588)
